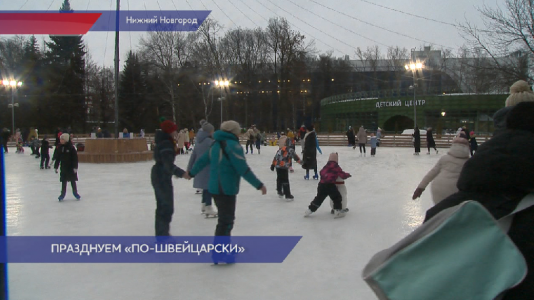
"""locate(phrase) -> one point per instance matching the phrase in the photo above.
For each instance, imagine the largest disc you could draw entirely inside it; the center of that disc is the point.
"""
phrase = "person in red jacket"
(327, 187)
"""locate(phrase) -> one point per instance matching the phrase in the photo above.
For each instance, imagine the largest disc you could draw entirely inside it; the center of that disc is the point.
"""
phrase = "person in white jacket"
(444, 175)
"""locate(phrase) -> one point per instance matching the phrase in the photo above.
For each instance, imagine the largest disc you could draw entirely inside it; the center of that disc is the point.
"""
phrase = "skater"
(498, 177)
(327, 187)
(259, 139)
(186, 140)
(6, 134)
(45, 154)
(67, 157)
(180, 142)
(374, 142)
(161, 176)
(520, 91)
(378, 136)
(430, 143)
(227, 165)
(201, 180)
(251, 139)
(282, 161)
(446, 172)
(416, 139)
(310, 146)
(362, 140)
(340, 184)
(473, 143)
(351, 137)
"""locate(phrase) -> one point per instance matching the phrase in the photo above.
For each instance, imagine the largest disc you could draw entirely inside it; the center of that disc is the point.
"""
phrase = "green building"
(444, 113)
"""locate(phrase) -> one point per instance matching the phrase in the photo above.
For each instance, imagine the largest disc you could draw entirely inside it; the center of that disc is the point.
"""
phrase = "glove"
(272, 167)
(55, 170)
(417, 193)
(75, 171)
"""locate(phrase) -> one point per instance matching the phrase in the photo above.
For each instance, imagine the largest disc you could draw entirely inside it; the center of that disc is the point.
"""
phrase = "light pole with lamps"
(414, 67)
(13, 84)
(221, 84)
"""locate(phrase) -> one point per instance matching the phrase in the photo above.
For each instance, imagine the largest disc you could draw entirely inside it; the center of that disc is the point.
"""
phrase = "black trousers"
(362, 146)
(326, 190)
(282, 181)
(373, 151)
(164, 203)
(251, 144)
(226, 211)
(5, 146)
(64, 188)
(45, 159)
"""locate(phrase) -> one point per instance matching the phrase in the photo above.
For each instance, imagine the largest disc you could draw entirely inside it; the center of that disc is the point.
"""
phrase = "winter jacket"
(351, 137)
(473, 143)
(498, 176)
(186, 136)
(164, 155)
(362, 136)
(67, 157)
(417, 140)
(282, 158)
(227, 165)
(430, 139)
(499, 120)
(309, 151)
(181, 139)
(373, 141)
(331, 171)
(444, 175)
(204, 142)
(379, 134)
(45, 147)
(251, 135)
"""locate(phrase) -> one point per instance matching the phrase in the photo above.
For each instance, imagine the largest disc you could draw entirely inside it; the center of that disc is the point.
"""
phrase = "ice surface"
(118, 199)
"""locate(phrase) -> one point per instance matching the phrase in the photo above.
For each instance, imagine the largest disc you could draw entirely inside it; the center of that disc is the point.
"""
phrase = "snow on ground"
(118, 199)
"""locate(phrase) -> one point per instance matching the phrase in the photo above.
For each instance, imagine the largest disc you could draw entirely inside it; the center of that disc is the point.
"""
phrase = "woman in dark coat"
(351, 136)
(498, 177)
(430, 143)
(417, 140)
(161, 176)
(309, 152)
(67, 157)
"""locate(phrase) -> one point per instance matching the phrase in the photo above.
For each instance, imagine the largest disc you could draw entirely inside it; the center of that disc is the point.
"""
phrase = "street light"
(13, 84)
(414, 67)
(221, 84)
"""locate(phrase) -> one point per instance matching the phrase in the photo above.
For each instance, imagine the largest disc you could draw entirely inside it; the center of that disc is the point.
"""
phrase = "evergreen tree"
(32, 88)
(65, 104)
(133, 101)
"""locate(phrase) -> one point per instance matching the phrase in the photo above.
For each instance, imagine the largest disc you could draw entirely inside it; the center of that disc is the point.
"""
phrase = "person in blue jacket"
(227, 165)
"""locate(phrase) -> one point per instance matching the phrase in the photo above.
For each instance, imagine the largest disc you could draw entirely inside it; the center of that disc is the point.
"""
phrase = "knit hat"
(520, 117)
(168, 126)
(65, 137)
(462, 141)
(231, 126)
(333, 157)
(207, 127)
(472, 133)
(519, 92)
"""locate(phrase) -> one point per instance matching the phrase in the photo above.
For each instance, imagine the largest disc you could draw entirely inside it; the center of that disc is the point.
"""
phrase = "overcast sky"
(336, 25)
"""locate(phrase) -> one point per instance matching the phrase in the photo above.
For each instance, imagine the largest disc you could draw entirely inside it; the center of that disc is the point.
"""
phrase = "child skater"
(327, 187)
(45, 154)
(373, 141)
(282, 162)
(68, 159)
(340, 184)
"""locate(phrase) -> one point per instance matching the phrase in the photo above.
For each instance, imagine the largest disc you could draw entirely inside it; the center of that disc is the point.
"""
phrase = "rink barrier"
(387, 140)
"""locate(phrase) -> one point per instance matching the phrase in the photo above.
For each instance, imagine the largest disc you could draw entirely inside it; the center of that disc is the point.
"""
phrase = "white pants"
(343, 191)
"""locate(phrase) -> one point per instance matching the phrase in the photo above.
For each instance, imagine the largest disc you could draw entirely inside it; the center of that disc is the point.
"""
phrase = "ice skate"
(316, 177)
(209, 212)
(332, 211)
(291, 170)
(224, 258)
(42, 168)
(290, 198)
(47, 167)
(308, 212)
(280, 195)
(198, 192)
(60, 198)
(345, 210)
(306, 177)
(202, 208)
(437, 151)
(338, 213)
(77, 196)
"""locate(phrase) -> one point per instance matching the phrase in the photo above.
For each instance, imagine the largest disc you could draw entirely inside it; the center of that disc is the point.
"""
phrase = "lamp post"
(13, 84)
(414, 67)
(221, 84)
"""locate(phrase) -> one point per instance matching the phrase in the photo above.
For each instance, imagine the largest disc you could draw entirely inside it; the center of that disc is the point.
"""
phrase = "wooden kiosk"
(111, 150)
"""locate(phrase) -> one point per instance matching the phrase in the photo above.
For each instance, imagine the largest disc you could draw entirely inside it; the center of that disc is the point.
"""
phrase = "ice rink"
(118, 199)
